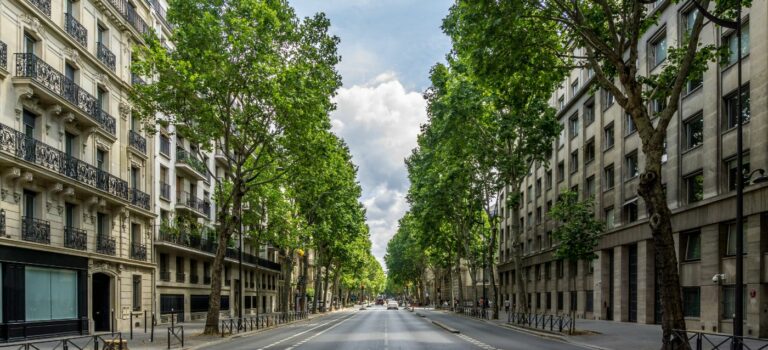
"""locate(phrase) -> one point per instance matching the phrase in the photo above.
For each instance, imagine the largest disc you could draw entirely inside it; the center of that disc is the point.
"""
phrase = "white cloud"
(379, 121)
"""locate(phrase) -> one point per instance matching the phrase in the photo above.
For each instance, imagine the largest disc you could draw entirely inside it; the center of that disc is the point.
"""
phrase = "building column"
(601, 284)
(710, 266)
(620, 283)
(645, 282)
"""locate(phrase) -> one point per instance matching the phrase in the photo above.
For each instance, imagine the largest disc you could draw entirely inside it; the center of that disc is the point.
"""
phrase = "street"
(378, 328)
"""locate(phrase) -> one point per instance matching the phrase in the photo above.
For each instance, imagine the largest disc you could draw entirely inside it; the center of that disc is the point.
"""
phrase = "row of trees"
(250, 81)
(490, 120)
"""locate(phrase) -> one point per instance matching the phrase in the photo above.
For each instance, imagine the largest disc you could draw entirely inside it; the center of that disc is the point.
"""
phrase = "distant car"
(379, 301)
(392, 305)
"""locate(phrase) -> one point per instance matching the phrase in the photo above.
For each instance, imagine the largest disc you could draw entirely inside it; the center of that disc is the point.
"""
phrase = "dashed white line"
(300, 333)
(386, 335)
(317, 334)
(476, 342)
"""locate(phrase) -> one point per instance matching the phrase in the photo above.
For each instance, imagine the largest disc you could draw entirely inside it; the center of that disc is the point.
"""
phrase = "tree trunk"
(287, 276)
(492, 265)
(325, 287)
(305, 274)
(461, 287)
(336, 277)
(318, 283)
(224, 232)
(652, 192)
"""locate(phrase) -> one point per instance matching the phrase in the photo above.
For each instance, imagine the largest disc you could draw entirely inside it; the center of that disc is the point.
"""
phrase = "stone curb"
(443, 326)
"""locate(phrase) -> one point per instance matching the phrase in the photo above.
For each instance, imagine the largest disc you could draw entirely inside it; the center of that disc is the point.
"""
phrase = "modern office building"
(76, 212)
(599, 155)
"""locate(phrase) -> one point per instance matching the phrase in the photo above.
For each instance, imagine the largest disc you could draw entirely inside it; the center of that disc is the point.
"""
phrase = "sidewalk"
(601, 334)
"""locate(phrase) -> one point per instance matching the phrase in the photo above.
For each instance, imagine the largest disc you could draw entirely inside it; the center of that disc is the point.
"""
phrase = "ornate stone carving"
(24, 99)
(73, 55)
(33, 24)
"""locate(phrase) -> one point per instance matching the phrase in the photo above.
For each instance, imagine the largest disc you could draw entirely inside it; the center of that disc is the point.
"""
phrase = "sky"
(387, 49)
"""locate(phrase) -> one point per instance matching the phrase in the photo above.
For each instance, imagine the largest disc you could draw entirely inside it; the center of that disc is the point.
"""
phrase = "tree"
(578, 231)
(248, 77)
(607, 34)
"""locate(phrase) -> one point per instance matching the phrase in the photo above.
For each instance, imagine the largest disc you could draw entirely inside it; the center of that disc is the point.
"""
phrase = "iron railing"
(139, 251)
(718, 341)
(75, 238)
(160, 13)
(560, 323)
(186, 157)
(175, 335)
(194, 203)
(165, 276)
(42, 5)
(105, 56)
(105, 245)
(209, 245)
(137, 141)
(2, 222)
(30, 66)
(128, 12)
(165, 145)
(246, 324)
(104, 341)
(35, 230)
(140, 199)
(3, 55)
(39, 153)
(76, 30)
(165, 191)
(180, 277)
(137, 80)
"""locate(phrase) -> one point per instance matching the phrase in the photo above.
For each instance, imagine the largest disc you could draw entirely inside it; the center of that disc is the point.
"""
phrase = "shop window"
(50, 294)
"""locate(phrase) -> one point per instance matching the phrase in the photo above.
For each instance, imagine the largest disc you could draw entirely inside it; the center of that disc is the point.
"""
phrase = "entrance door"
(632, 283)
(172, 304)
(100, 302)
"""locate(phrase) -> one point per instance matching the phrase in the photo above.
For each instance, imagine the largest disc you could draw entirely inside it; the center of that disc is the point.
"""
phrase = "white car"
(392, 305)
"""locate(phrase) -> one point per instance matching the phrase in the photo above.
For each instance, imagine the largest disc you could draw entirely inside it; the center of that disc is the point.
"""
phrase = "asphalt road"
(378, 328)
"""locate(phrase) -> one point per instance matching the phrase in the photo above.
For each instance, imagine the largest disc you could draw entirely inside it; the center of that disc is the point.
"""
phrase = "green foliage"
(578, 231)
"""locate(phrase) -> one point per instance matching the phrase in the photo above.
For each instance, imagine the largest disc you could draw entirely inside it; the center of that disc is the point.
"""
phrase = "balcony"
(76, 30)
(140, 199)
(33, 151)
(165, 191)
(137, 80)
(160, 13)
(194, 279)
(180, 277)
(3, 55)
(105, 56)
(105, 245)
(165, 145)
(165, 276)
(75, 238)
(190, 164)
(128, 12)
(2, 222)
(35, 230)
(57, 88)
(189, 241)
(138, 251)
(185, 201)
(137, 141)
(42, 5)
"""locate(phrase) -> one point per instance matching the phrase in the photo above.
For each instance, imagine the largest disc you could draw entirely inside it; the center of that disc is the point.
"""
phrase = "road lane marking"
(300, 333)
(476, 342)
(386, 334)
(316, 334)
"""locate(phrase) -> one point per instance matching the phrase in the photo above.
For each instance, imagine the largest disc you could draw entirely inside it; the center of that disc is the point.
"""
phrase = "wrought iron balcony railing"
(180, 277)
(3, 55)
(165, 276)
(43, 5)
(105, 245)
(165, 145)
(136, 80)
(128, 12)
(76, 30)
(35, 230)
(137, 141)
(30, 66)
(160, 13)
(186, 157)
(138, 251)
(140, 199)
(165, 191)
(194, 203)
(105, 56)
(194, 279)
(39, 153)
(75, 238)
(189, 241)
(2, 222)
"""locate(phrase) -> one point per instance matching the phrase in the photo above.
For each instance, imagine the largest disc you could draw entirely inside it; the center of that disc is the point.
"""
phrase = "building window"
(693, 130)
(729, 302)
(633, 168)
(609, 138)
(575, 87)
(548, 300)
(629, 124)
(589, 151)
(731, 108)
(590, 307)
(692, 245)
(590, 186)
(732, 44)
(560, 171)
(610, 221)
(574, 161)
(530, 193)
(694, 187)
(657, 106)
(573, 125)
(136, 292)
(538, 187)
(561, 102)
(561, 138)
(730, 244)
(608, 99)
(732, 167)
(560, 269)
(689, 19)
(589, 114)
(549, 179)
(538, 215)
(631, 211)
(658, 49)
(559, 301)
(50, 294)
(608, 177)
(691, 301)
(101, 160)
(29, 43)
